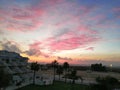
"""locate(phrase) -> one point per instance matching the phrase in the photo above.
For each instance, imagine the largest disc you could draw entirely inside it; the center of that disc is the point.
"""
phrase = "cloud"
(116, 11)
(90, 48)
(64, 58)
(35, 50)
(35, 45)
(1, 32)
(25, 16)
(34, 14)
(11, 46)
(85, 29)
(60, 32)
(72, 43)
(78, 38)
(69, 29)
(21, 18)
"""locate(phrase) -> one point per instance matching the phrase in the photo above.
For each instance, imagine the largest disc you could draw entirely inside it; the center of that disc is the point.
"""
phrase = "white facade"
(19, 68)
(16, 65)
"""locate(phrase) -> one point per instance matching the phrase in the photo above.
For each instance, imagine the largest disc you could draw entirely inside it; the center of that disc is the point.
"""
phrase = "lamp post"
(111, 66)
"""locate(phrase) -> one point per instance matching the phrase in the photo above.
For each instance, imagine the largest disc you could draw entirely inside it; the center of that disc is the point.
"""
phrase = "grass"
(56, 86)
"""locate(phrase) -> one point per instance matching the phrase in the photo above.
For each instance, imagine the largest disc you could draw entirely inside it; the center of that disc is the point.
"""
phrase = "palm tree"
(34, 67)
(65, 66)
(59, 71)
(54, 64)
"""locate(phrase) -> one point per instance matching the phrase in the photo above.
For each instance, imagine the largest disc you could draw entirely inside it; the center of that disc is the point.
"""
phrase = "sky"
(80, 32)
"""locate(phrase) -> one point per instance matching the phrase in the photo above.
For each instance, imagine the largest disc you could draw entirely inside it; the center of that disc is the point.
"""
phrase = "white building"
(15, 64)
(19, 68)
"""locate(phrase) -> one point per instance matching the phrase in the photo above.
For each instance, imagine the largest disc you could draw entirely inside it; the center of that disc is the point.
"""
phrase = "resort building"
(16, 65)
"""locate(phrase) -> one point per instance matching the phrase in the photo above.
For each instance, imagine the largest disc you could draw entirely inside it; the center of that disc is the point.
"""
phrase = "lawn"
(56, 86)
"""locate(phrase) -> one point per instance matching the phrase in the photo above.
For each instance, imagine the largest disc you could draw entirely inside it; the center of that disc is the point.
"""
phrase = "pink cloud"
(2, 14)
(26, 12)
(29, 17)
(79, 33)
(26, 17)
(72, 42)
(35, 45)
(117, 9)
(52, 2)
(77, 37)
(23, 18)
(86, 29)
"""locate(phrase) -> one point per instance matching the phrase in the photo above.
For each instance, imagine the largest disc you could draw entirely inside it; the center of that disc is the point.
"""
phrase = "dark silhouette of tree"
(5, 79)
(98, 67)
(107, 82)
(59, 71)
(34, 67)
(73, 76)
(54, 65)
(65, 66)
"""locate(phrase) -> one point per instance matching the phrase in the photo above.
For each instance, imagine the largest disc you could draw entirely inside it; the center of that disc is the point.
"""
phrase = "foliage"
(73, 76)
(34, 67)
(54, 65)
(59, 71)
(5, 78)
(98, 67)
(65, 66)
(108, 82)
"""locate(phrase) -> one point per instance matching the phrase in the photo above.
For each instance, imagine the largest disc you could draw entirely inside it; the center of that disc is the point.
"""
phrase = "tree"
(73, 76)
(65, 66)
(5, 79)
(34, 67)
(59, 71)
(54, 65)
(98, 67)
(107, 82)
